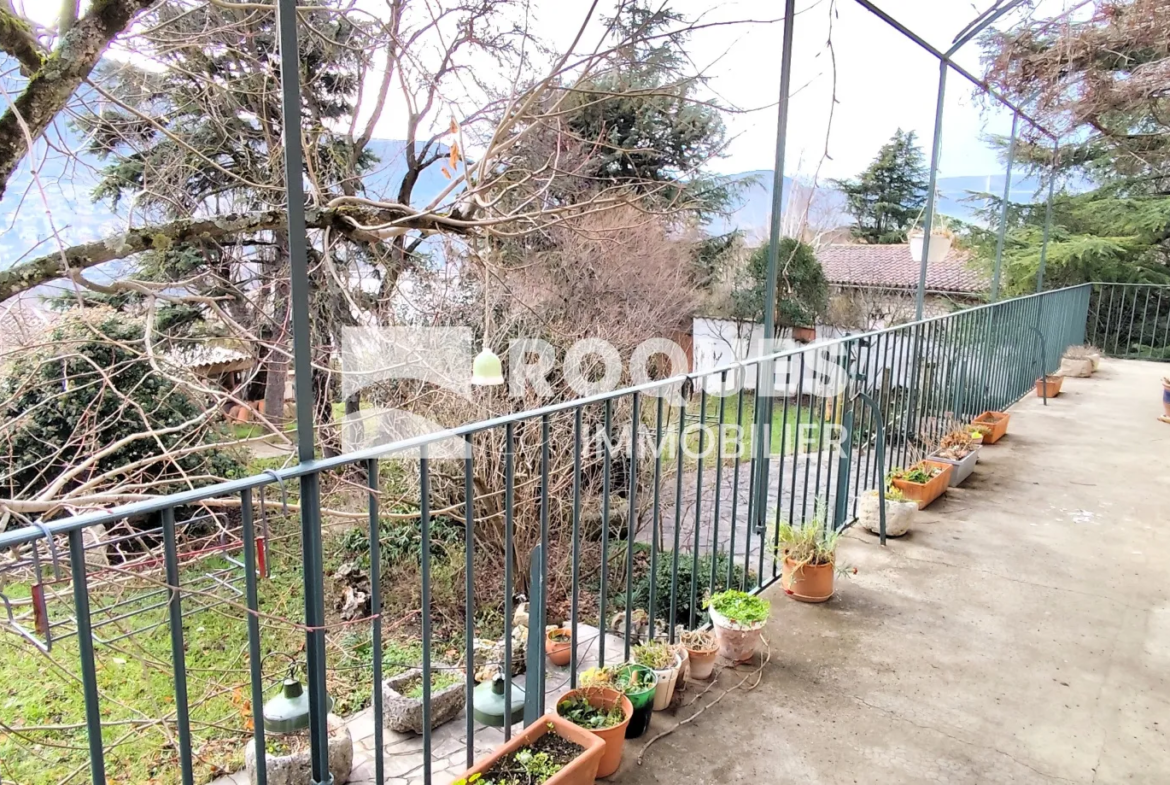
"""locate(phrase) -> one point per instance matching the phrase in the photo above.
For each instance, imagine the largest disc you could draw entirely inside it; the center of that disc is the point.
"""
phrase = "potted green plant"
(702, 649)
(402, 698)
(900, 512)
(602, 711)
(960, 450)
(810, 557)
(559, 645)
(637, 682)
(738, 619)
(923, 482)
(550, 751)
(666, 661)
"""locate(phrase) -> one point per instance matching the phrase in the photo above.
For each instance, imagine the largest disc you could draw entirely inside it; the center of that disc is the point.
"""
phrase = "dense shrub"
(91, 389)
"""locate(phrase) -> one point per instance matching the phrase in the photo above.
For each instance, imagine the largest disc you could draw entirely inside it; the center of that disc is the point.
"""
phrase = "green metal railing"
(1131, 320)
(922, 377)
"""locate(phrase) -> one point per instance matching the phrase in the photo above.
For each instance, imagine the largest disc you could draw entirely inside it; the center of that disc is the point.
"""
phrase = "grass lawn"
(793, 432)
(42, 719)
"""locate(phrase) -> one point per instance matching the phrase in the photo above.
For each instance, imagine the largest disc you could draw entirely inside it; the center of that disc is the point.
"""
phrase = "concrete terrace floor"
(1020, 634)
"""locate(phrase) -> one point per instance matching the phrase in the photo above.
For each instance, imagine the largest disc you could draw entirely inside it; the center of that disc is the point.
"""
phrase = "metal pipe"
(980, 24)
(1003, 210)
(942, 56)
(932, 183)
(178, 650)
(762, 443)
(93, 714)
(1047, 220)
(290, 86)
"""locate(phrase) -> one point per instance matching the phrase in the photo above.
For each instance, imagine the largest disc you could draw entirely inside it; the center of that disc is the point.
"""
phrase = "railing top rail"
(232, 487)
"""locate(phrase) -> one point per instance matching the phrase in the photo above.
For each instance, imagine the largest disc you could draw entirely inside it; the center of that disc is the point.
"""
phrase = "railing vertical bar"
(655, 523)
(753, 476)
(796, 444)
(812, 408)
(780, 469)
(545, 438)
(576, 592)
(632, 518)
(469, 594)
(821, 454)
(698, 503)
(605, 480)
(424, 484)
(1166, 333)
(718, 480)
(252, 600)
(376, 612)
(885, 384)
(1110, 329)
(93, 715)
(178, 651)
(1132, 319)
(742, 371)
(509, 560)
(678, 506)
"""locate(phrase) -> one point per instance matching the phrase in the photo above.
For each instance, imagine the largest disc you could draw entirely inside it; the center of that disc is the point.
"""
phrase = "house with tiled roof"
(875, 285)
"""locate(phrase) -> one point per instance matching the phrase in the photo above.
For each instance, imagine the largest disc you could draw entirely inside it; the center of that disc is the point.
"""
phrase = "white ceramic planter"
(737, 642)
(963, 468)
(667, 679)
(899, 515)
(1079, 367)
(940, 246)
(296, 769)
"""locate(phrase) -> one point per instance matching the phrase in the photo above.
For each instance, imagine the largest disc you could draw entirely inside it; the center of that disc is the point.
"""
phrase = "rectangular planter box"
(962, 468)
(925, 493)
(1049, 386)
(405, 715)
(582, 770)
(997, 423)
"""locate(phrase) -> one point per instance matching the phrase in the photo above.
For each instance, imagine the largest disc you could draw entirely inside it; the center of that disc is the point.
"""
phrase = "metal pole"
(762, 442)
(928, 220)
(1047, 220)
(286, 13)
(1003, 211)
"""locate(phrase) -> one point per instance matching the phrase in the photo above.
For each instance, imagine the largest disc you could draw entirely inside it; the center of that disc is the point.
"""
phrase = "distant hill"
(753, 209)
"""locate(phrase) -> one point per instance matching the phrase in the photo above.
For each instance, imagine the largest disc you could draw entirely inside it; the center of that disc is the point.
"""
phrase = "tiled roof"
(892, 266)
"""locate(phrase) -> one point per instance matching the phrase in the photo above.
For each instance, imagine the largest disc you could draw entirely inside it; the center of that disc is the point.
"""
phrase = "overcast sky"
(883, 81)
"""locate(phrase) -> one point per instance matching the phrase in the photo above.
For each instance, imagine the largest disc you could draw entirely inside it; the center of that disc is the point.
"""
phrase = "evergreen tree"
(887, 198)
(802, 291)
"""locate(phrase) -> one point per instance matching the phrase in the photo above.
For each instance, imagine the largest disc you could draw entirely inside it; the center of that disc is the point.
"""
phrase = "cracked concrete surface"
(1021, 633)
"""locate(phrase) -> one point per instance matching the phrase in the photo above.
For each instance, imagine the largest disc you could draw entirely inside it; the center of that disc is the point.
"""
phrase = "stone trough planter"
(295, 769)
(405, 715)
(899, 515)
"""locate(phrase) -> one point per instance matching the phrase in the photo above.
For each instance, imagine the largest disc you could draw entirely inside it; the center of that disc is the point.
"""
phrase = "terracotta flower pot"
(994, 424)
(804, 334)
(926, 492)
(582, 770)
(807, 582)
(614, 737)
(1049, 386)
(559, 652)
(702, 663)
(737, 642)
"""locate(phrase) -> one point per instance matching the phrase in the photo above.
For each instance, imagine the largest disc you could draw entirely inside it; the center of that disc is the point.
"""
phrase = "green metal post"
(932, 183)
(762, 443)
(1003, 209)
(1047, 220)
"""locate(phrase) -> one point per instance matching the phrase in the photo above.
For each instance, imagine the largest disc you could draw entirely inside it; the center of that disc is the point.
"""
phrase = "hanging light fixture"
(487, 702)
(288, 711)
(486, 369)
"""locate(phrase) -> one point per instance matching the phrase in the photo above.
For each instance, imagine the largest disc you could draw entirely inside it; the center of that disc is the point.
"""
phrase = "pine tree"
(887, 198)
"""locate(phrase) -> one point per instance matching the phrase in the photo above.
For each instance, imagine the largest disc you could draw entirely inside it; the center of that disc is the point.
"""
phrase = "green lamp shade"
(486, 369)
(488, 703)
(288, 712)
